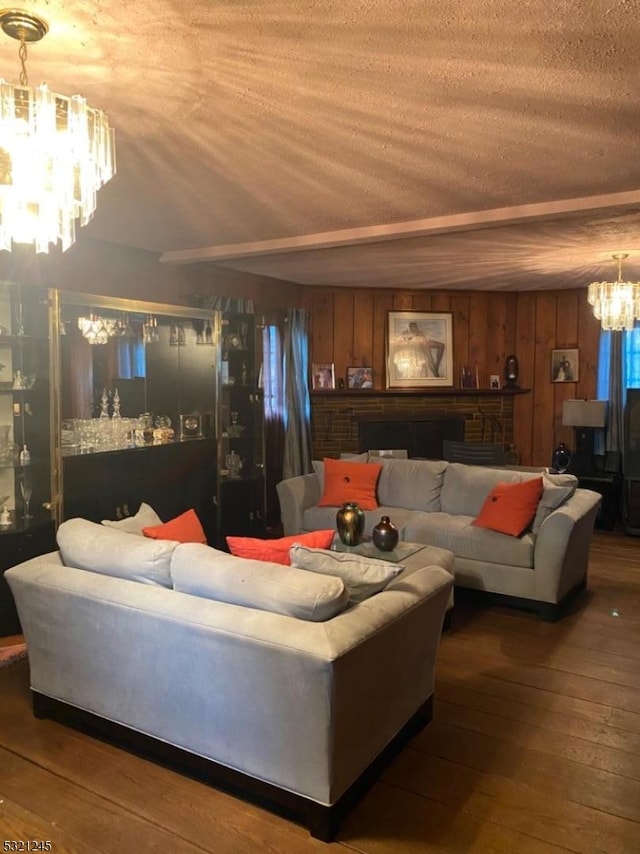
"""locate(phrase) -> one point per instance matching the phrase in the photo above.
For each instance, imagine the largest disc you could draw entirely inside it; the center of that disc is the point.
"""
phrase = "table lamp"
(585, 416)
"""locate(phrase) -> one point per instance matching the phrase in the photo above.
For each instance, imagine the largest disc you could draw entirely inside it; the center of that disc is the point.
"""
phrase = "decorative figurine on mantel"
(511, 372)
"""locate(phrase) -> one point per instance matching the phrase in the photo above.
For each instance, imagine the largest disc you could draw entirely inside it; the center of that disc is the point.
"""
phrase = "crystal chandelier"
(55, 153)
(98, 330)
(616, 304)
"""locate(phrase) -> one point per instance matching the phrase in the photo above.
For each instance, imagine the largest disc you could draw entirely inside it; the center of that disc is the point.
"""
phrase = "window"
(630, 362)
(272, 374)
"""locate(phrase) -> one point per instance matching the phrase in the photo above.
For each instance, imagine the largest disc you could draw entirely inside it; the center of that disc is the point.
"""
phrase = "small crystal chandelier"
(616, 304)
(99, 330)
(55, 153)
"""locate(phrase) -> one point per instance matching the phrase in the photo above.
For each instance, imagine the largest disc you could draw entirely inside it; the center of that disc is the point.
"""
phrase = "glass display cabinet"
(138, 393)
(240, 493)
(26, 524)
(106, 403)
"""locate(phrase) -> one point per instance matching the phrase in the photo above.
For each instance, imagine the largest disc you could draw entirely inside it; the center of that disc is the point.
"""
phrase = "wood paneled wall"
(349, 327)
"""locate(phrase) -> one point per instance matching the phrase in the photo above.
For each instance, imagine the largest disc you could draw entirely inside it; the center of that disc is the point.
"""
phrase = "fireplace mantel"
(418, 392)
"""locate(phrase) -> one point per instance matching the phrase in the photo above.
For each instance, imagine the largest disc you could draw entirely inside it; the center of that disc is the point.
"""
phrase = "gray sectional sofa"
(258, 677)
(435, 502)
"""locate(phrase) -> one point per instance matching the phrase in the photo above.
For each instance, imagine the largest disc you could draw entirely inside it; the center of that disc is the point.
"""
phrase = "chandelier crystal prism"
(55, 153)
(615, 304)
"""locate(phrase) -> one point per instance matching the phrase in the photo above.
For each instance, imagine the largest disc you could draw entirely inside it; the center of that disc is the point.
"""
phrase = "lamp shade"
(585, 413)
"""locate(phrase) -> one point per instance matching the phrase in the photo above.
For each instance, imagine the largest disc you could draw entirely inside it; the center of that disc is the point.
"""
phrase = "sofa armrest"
(296, 495)
(561, 554)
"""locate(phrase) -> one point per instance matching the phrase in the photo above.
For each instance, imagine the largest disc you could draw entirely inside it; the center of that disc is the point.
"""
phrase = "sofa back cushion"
(465, 487)
(212, 574)
(413, 484)
(108, 551)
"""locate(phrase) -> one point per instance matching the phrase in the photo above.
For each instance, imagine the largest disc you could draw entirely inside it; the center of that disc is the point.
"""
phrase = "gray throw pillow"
(557, 489)
(146, 517)
(362, 576)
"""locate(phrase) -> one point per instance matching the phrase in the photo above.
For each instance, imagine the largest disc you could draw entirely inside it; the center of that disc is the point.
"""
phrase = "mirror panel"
(126, 366)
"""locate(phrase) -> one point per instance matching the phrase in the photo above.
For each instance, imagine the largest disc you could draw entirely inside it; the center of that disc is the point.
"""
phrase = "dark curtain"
(274, 422)
(297, 447)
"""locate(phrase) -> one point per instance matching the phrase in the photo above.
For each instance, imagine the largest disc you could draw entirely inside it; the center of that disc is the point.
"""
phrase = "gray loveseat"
(435, 502)
(257, 677)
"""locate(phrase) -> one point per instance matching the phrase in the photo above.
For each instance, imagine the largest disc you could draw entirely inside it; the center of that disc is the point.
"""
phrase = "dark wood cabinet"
(609, 485)
(171, 477)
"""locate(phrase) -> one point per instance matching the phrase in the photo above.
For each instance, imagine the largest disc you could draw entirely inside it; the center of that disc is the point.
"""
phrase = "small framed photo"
(565, 366)
(323, 375)
(359, 377)
(494, 381)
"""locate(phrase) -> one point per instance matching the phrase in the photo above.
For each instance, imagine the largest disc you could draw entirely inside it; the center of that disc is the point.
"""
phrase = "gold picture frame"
(419, 349)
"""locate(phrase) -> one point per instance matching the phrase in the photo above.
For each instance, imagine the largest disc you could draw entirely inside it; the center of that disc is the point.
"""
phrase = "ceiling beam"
(400, 230)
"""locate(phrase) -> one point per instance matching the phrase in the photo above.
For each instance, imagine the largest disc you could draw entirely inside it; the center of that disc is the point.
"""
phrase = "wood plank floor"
(534, 747)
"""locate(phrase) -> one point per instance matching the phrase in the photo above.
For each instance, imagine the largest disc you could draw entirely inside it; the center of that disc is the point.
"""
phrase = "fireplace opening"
(422, 435)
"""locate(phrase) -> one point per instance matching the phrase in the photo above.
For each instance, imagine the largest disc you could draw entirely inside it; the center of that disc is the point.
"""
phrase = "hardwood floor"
(534, 747)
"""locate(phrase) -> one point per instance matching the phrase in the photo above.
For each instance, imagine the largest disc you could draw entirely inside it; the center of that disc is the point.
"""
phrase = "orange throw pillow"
(185, 528)
(277, 551)
(510, 507)
(348, 481)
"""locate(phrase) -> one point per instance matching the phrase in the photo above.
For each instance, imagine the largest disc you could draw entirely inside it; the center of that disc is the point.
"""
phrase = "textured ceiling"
(393, 123)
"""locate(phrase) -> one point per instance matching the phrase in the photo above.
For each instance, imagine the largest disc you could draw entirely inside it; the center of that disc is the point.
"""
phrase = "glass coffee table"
(367, 548)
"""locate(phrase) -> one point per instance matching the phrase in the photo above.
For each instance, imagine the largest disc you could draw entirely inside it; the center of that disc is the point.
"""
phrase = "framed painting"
(565, 367)
(419, 349)
(359, 377)
(323, 375)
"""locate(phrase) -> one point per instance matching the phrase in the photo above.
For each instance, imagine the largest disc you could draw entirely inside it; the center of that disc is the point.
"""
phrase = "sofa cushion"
(414, 484)
(558, 489)
(350, 481)
(185, 528)
(145, 517)
(510, 507)
(277, 551)
(457, 534)
(466, 487)
(212, 574)
(96, 548)
(362, 576)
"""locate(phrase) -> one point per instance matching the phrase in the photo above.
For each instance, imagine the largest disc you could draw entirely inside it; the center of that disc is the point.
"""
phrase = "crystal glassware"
(26, 489)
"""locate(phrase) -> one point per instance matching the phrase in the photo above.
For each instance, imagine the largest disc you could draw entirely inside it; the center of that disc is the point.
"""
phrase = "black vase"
(350, 523)
(385, 535)
(561, 459)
